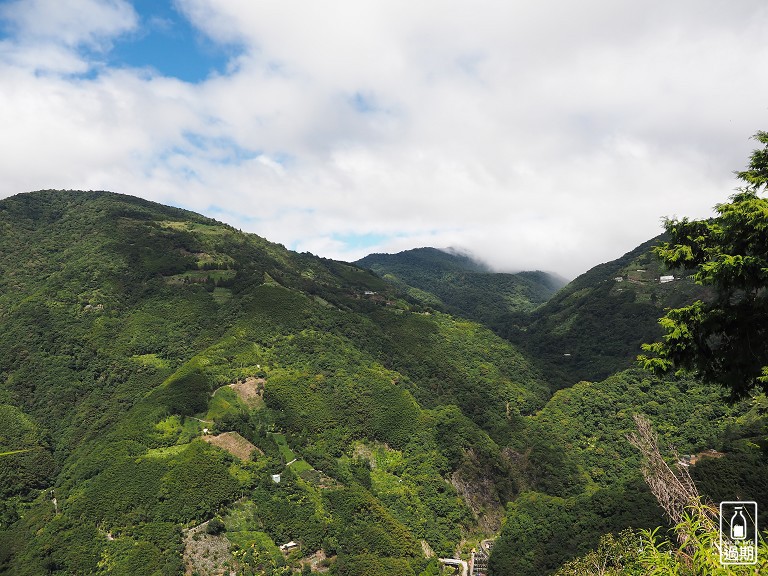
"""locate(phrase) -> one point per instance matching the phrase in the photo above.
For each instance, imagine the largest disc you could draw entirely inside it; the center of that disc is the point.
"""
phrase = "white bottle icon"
(738, 525)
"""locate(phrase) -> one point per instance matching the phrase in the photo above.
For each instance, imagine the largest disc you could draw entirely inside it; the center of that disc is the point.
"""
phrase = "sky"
(537, 134)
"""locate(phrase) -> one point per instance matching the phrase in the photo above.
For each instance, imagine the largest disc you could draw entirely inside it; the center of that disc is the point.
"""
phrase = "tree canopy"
(724, 340)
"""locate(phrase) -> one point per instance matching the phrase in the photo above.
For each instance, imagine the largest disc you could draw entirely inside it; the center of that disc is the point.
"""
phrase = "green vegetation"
(457, 283)
(582, 477)
(723, 340)
(721, 337)
(392, 426)
(594, 327)
(125, 321)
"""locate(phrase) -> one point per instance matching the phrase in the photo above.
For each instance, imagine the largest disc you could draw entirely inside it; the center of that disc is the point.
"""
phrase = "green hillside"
(582, 478)
(135, 334)
(586, 330)
(594, 326)
(457, 283)
(178, 397)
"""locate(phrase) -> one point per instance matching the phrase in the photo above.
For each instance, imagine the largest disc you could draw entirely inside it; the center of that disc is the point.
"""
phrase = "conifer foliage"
(723, 340)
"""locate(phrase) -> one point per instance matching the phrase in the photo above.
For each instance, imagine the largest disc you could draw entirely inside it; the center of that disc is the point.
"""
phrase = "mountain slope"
(461, 285)
(135, 335)
(585, 477)
(595, 325)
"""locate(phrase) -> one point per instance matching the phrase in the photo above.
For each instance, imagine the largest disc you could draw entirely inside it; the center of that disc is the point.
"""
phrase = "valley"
(199, 398)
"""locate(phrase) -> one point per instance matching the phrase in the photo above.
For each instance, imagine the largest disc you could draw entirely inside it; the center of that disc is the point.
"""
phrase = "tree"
(724, 339)
(215, 526)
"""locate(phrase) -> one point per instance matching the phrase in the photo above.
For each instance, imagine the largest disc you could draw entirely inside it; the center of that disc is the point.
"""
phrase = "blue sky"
(166, 41)
(538, 135)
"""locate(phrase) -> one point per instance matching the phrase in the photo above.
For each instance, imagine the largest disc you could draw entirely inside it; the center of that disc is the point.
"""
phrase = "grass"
(179, 431)
(386, 483)
(248, 538)
(207, 229)
(301, 466)
(224, 401)
(282, 445)
(240, 517)
(242, 529)
(165, 452)
(202, 276)
(218, 260)
(221, 295)
(191, 428)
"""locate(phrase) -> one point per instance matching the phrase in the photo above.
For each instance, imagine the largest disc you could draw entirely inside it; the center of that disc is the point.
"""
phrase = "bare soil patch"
(206, 554)
(251, 392)
(233, 443)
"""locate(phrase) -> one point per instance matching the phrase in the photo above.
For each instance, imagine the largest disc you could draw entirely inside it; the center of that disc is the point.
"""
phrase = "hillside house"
(665, 279)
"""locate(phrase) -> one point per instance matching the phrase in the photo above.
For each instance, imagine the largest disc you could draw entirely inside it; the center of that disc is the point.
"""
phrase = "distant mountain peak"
(457, 281)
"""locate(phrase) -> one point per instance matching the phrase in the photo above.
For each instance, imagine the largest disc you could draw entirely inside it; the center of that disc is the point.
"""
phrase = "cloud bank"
(551, 135)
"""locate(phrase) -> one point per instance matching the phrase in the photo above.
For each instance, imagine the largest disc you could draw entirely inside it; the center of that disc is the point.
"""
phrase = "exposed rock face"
(475, 486)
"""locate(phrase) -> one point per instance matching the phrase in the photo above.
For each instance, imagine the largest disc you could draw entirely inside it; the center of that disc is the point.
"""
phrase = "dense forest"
(461, 285)
(179, 396)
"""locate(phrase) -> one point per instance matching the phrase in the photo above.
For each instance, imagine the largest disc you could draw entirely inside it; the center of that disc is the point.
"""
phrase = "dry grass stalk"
(674, 489)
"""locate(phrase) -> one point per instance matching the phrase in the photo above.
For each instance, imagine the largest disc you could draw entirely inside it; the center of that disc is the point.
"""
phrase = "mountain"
(176, 394)
(584, 477)
(587, 329)
(461, 285)
(594, 326)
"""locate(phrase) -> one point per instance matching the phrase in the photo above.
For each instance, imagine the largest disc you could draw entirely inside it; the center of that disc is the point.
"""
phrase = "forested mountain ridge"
(579, 475)
(177, 395)
(594, 326)
(586, 329)
(462, 285)
(157, 368)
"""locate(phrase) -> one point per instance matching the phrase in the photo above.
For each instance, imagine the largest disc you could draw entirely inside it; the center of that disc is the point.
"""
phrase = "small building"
(665, 279)
(206, 431)
(276, 478)
(369, 293)
(478, 563)
(288, 546)
(686, 460)
(619, 279)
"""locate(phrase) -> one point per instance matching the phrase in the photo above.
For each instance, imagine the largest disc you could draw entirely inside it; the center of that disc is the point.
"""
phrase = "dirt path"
(16, 452)
(199, 420)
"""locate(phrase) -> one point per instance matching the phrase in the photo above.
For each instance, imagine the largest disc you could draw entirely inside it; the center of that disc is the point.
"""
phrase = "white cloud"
(547, 135)
(48, 33)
